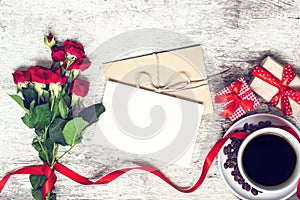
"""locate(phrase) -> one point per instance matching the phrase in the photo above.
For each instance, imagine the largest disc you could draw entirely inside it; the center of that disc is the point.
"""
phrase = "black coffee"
(269, 160)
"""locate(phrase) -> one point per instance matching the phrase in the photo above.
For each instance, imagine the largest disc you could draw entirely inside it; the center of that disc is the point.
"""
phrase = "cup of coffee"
(269, 160)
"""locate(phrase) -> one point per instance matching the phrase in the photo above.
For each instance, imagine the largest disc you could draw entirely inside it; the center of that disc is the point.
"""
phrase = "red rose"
(79, 87)
(46, 76)
(57, 77)
(21, 76)
(58, 53)
(74, 49)
(39, 74)
(80, 64)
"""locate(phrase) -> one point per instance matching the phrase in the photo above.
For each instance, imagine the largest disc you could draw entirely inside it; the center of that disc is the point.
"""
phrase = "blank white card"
(149, 124)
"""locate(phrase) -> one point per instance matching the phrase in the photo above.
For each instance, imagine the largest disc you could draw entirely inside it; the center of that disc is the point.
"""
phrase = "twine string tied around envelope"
(171, 85)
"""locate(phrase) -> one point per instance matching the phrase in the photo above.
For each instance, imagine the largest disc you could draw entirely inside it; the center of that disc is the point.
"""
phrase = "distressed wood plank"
(231, 32)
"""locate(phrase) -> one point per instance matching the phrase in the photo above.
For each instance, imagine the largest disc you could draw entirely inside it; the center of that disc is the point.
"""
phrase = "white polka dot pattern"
(245, 94)
(284, 92)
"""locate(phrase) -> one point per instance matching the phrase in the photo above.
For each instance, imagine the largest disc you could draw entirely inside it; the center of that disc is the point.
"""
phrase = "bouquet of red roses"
(51, 98)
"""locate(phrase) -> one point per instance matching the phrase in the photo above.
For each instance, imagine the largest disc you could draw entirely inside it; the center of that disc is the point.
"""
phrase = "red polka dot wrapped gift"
(237, 99)
(277, 85)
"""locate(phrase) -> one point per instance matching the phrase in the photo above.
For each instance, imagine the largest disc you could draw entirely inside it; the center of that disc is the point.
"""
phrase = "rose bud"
(21, 78)
(49, 40)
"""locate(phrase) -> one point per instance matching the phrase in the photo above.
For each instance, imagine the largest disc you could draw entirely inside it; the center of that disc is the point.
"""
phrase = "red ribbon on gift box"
(284, 92)
(51, 177)
(234, 100)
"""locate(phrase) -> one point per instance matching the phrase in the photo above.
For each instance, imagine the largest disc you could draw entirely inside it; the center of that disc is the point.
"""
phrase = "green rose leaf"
(41, 115)
(49, 146)
(37, 181)
(63, 108)
(19, 100)
(42, 156)
(36, 194)
(29, 95)
(46, 96)
(63, 91)
(39, 118)
(67, 100)
(91, 114)
(36, 145)
(55, 131)
(27, 120)
(31, 106)
(55, 110)
(39, 132)
(73, 129)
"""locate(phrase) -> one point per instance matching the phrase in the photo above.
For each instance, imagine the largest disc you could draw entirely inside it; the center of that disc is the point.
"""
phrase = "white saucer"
(226, 173)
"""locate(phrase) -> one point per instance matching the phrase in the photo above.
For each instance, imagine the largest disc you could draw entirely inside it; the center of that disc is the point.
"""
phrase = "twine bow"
(171, 84)
(234, 100)
(284, 92)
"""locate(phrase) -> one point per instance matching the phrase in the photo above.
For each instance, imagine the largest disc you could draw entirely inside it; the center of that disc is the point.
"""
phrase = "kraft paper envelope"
(163, 67)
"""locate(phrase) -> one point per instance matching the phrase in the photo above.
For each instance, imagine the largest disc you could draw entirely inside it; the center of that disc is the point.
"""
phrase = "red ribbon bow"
(284, 92)
(38, 170)
(50, 173)
(235, 100)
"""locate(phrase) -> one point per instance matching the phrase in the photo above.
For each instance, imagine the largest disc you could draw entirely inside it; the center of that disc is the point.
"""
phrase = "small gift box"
(237, 99)
(277, 85)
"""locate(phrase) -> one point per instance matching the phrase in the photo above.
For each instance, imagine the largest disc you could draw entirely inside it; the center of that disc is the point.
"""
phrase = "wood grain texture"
(230, 31)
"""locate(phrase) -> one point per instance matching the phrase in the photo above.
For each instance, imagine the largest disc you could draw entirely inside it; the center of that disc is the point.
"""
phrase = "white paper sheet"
(149, 124)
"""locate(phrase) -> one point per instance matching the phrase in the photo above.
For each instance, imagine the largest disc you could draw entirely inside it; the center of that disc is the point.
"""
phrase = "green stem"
(54, 153)
(52, 101)
(45, 133)
(44, 140)
(69, 63)
(66, 152)
(47, 158)
(72, 75)
(48, 196)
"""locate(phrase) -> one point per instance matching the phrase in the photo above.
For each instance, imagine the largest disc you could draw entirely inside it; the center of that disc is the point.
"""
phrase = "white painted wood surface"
(231, 32)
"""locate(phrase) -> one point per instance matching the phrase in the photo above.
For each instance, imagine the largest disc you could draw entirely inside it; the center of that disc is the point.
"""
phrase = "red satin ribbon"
(284, 92)
(38, 170)
(49, 173)
(234, 100)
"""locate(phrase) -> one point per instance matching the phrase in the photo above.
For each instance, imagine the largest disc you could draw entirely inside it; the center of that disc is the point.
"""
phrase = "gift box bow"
(284, 92)
(233, 101)
(237, 96)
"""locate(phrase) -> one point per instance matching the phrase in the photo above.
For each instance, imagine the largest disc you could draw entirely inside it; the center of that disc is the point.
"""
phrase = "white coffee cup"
(294, 143)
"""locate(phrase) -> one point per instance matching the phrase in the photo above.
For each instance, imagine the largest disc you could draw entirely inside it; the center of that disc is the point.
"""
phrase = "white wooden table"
(231, 32)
